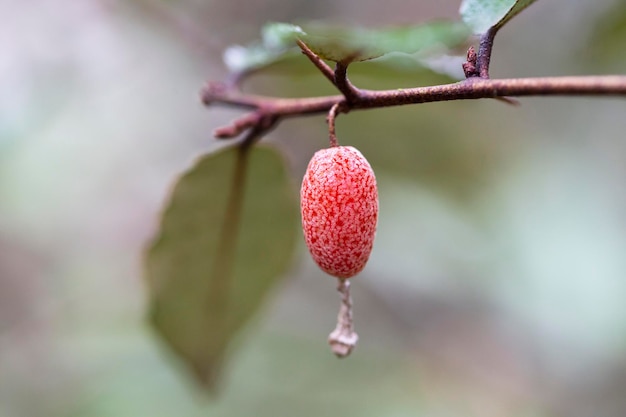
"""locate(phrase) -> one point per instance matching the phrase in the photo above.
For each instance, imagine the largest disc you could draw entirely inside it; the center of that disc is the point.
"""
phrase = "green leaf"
(481, 15)
(356, 44)
(227, 235)
(421, 46)
(604, 50)
(278, 41)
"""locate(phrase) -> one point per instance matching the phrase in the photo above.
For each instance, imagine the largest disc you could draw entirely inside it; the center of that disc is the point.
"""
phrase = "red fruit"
(339, 205)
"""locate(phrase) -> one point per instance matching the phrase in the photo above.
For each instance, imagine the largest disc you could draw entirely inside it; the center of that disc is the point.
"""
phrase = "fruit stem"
(343, 339)
(332, 115)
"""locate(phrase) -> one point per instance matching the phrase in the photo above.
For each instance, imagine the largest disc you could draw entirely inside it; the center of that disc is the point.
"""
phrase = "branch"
(470, 89)
(350, 92)
(484, 52)
(237, 127)
(317, 61)
(471, 68)
(268, 111)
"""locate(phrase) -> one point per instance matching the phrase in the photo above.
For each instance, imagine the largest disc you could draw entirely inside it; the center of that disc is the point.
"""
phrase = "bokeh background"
(498, 279)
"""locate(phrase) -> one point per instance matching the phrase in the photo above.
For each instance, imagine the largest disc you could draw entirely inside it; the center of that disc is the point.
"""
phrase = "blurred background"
(497, 282)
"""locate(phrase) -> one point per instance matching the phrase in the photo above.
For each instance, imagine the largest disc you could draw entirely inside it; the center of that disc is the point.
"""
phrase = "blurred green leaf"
(347, 45)
(206, 280)
(422, 145)
(606, 44)
(396, 63)
(481, 15)
(278, 40)
(423, 46)
(393, 70)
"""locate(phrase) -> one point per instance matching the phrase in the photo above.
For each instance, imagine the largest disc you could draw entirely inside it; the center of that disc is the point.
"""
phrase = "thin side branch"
(471, 68)
(317, 61)
(237, 127)
(351, 93)
(264, 125)
(484, 52)
(221, 93)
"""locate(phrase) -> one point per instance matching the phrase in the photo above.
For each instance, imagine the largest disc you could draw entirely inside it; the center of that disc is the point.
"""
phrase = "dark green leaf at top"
(481, 15)
(226, 237)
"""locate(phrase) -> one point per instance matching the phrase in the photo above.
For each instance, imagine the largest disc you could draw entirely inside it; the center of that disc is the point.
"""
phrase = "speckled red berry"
(339, 205)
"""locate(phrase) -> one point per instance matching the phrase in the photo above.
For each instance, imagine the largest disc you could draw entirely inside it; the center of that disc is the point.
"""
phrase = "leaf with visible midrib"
(227, 235)
(347, 45)
(481, 15)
